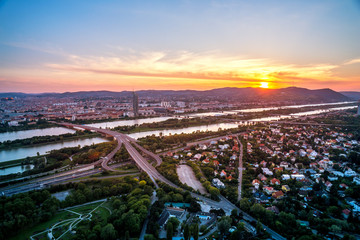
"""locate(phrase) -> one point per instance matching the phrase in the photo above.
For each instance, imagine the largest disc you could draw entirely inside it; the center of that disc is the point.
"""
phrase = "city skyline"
(83, 46)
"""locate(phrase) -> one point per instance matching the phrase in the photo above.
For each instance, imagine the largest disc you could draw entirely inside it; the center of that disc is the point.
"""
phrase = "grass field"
(101, 212)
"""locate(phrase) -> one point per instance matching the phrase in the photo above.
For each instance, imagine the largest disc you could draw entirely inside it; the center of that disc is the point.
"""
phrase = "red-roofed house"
(346, 213)
(268, 190)
(216, 163)
(206, 161)
(229, 178)
(223, 173)
(275, 181)
(278, 195)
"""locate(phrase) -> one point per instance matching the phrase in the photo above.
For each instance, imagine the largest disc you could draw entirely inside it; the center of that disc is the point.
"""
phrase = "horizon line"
(103, 90)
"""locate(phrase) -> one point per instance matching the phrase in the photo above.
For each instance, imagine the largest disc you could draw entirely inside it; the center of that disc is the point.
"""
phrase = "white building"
(298, 176)
(217, 183)
(166, 104)
(266, 171)
(356, 180)
(180, 104)
(349, 173)
(285, 177)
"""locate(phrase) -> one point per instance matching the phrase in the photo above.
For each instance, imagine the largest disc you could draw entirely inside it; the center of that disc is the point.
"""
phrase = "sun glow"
(264, 85)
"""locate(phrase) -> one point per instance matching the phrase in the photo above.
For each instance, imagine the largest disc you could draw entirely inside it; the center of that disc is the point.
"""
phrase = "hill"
(352, 95)
(292, 94)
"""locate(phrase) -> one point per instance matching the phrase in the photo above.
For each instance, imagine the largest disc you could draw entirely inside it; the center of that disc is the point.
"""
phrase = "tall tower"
(135, 104)
(358, 110)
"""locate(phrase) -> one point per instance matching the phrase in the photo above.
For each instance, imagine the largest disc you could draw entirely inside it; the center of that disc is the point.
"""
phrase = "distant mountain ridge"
(352, 95)
(230, 93)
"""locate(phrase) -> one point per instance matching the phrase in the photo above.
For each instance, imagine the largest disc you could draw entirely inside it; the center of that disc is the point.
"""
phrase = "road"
(241, 148)
(306, 123)
(248, 218)
(143, 230)
(193, 144)
(51, 180)
(152, 155)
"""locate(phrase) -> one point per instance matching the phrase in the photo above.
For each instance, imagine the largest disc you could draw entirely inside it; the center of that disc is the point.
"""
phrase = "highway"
(152, 155)
(39, 183)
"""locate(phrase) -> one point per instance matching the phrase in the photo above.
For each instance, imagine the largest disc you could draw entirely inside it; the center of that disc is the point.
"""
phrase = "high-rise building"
(358, 110)
(135, 104)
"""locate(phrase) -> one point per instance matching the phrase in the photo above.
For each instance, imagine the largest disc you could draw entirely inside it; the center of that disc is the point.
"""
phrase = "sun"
(264, 85)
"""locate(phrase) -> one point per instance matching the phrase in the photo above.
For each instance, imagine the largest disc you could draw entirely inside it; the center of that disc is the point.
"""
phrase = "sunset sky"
(67, 45)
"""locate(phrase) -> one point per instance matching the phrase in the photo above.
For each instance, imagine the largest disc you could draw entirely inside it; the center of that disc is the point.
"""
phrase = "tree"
(149, 237)
(259, 227)
(194, 206)
(186, 232)
(195, 231)
(174, 223)
(234, 213)
(258, 210)
(335, 229)
(245, 204)
(131, 221)
(224, 225)
(108, 232)
(241, 226)
(127, 235)
(214, 192)
(169, 231)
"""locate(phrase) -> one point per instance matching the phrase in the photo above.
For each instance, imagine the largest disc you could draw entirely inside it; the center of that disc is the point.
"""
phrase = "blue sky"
(63, 45)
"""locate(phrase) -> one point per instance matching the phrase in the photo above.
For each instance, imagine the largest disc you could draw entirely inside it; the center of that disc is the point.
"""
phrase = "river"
(16, 169)
(18, 153)
(10, 136)
(215, 127)
(7, 155)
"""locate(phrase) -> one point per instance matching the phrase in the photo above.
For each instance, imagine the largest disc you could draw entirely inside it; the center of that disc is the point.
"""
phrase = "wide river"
(10, 136)
(18, 153)
(6, 155)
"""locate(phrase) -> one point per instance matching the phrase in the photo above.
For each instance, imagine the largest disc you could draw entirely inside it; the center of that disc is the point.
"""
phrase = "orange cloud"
(130, 69)
(192, 66)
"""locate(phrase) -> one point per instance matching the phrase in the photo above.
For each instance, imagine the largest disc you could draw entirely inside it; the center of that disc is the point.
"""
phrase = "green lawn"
(26, 233)
(101, 212)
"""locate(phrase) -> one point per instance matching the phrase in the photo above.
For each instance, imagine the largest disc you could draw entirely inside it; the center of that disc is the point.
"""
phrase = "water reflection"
(16, 169)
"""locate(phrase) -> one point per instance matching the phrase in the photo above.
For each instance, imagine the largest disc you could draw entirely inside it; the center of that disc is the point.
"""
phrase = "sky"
(83, 45)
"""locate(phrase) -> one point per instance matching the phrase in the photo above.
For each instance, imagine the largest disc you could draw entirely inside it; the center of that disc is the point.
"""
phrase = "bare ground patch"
(187, 176)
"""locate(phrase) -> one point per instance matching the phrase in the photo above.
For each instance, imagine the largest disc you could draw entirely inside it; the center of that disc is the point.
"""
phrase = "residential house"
(278, 195)
(217, 183)
(275, 181)
(285, 177)
(256, 183)
(268, 190)
(328, 185)
(285, 188)
(297, 176)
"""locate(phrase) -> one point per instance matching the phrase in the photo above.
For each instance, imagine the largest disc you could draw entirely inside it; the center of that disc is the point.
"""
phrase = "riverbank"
(172, 123)
(43, 140)
(175, 123)
(41, 124)
(18, 162)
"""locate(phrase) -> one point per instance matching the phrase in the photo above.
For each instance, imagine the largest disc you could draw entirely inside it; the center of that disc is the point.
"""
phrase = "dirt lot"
(187, 176)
